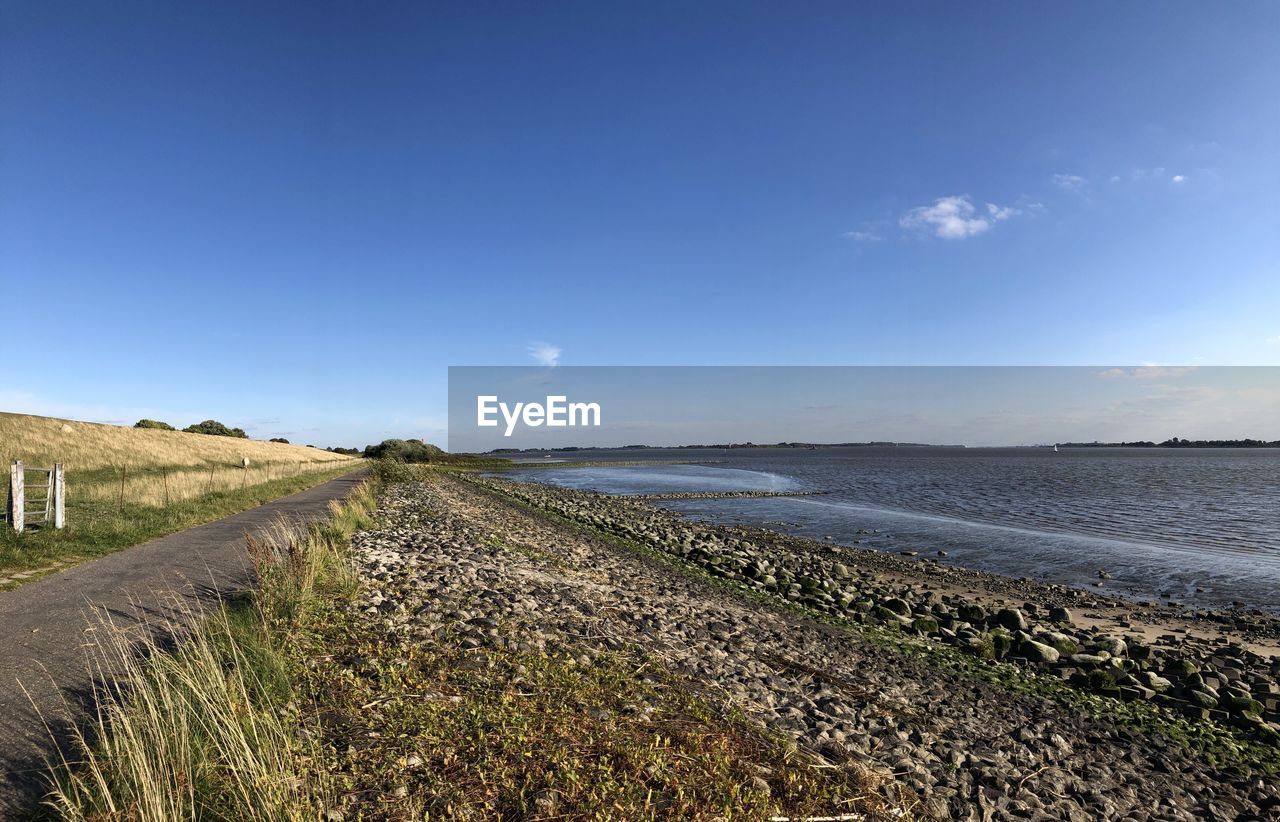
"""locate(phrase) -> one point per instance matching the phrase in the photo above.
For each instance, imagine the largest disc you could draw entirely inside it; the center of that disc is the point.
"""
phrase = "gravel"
(454, 561)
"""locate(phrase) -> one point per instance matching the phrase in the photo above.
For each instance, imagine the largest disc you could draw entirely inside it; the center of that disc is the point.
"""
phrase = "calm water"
(1159, 521)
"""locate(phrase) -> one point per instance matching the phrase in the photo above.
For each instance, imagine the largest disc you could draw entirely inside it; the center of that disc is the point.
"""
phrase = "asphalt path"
(46, 685)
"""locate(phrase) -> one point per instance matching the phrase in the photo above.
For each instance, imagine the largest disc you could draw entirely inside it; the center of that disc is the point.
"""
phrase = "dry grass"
(42, 441)
(209, 731)
(182, 735)
(112, 465)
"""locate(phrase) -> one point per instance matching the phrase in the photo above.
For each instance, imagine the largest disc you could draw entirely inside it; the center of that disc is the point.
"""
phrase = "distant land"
(722, 445)
(1174, 442)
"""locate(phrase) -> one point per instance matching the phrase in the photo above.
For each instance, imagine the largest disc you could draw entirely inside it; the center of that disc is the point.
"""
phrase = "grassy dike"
(292, 705)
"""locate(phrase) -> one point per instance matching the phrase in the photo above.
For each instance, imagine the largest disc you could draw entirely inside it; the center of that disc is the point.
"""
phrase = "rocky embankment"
(1219, 681)
(955, 733)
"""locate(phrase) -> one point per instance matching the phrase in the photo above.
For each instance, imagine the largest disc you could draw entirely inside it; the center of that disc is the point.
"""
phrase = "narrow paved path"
(43, 624)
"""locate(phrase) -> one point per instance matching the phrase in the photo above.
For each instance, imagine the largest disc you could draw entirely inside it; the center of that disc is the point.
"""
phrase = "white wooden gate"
(43, 502)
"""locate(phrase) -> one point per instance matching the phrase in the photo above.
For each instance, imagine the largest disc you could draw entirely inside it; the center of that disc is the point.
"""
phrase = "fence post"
(17, 497)
(58, 488)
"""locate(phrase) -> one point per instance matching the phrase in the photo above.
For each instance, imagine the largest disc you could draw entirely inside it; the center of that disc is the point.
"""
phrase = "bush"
(279, 439)
(389, 471)
(350, 452)
(216, 429)
(161, 426)
(403, 451)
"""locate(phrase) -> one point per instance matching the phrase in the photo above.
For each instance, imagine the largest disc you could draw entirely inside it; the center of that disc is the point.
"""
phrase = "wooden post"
(165, 473)
(120, 503)
(58, 488)
(17, 497)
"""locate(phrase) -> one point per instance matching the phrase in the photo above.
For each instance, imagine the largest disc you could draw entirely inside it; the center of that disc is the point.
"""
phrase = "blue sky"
(295, 217)
(951, 405)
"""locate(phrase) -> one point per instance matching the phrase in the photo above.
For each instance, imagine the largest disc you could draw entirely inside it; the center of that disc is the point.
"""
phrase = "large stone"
(897, 605)
(1012, 619)
(925, 625)
(1062, 643)
(1061, 615)
(1001, 643)
(1200, 699)
(1242, 705)
(1039, 652)
(1112, 645)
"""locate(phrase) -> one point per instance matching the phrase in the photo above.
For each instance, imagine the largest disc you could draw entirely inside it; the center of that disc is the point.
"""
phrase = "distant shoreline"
(1173, 443)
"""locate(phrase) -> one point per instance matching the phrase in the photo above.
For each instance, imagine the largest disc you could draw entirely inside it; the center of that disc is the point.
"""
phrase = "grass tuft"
(209, 729)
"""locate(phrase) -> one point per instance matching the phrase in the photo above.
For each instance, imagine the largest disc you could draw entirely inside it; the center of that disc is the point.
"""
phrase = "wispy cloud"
(955, 218)
(1274, 340)
(1069, 182)
(1159, 174)
(863, 236)
(544, 354)
(1145, 372)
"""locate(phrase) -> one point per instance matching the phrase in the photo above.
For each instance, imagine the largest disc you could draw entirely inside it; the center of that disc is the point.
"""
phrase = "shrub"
(279, 439)
(389, 471)
(216, 429)
(162, 426)
(403, 451)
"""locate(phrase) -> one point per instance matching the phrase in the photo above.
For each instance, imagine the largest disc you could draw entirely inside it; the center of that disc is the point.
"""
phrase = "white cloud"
(1070, 182)
(1178, 178)
(544, 354)
(863, 236)
(1148, 371)
(954, 218)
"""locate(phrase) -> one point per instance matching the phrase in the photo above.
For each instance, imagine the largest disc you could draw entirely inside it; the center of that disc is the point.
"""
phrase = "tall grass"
(109, 466)
(208, 730)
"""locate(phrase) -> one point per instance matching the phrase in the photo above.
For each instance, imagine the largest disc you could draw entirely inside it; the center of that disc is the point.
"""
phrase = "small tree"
(216, 429)
(161, 426)
(279, 439)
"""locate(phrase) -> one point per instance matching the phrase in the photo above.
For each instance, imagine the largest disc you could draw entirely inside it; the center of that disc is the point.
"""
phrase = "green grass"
(105, 528)
(211, 730)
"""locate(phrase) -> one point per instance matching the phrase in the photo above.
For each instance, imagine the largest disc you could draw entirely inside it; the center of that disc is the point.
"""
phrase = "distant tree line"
(1177, 442)
(396, 450)
(211, 427)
